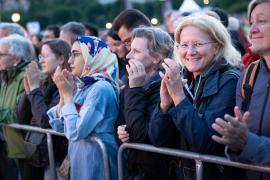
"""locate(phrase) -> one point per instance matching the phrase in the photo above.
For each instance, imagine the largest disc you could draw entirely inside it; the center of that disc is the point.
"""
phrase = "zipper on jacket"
(261, 119)
(264, 105)
(5, 92)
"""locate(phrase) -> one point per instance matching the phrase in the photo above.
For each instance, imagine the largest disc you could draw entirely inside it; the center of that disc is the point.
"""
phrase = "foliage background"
(90, 11)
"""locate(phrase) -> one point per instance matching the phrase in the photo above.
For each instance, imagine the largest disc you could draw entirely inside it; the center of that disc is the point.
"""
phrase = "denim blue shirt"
(95, 118)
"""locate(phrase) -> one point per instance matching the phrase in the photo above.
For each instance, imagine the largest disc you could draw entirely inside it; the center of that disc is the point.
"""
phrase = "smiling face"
(76, 61)
(140, 52)
(259, 32)
(49, 60)
(197, 60)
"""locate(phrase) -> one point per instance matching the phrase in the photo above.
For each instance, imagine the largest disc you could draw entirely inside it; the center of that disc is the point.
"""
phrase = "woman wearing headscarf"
(93, 109)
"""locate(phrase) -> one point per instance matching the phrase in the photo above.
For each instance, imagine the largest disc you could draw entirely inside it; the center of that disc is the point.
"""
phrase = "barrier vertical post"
(120, 160)
(51, 156)
(199, 170)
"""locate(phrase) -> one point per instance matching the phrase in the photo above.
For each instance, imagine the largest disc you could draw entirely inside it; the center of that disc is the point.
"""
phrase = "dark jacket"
(258, 144)
(188, 128)
(136, 108)
(32, 110)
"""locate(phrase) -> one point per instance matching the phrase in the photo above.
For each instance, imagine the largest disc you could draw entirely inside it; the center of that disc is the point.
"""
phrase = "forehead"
(4, 32)
(4, 48)
(111, 40)
(193, 33)
(124, 33)
(261, 9)
(49, 32)
(139, 43)
(76, 46)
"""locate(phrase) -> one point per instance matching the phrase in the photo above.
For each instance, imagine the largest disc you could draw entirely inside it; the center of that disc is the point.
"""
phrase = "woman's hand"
(33, 76)
(136, 73)
(174, 83)
(26, 85)
(64, 85)
(166, 100)
(122, 133)
(234, 132)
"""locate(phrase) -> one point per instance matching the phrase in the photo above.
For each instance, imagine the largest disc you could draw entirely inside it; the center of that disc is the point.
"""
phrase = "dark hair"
(130, 19)
(60, 47)
(55, 29)
(222, 15)
(113, 35)
(92, 28)
(37, 51)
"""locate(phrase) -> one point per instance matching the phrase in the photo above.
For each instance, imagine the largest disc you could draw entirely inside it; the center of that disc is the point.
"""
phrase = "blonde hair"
(252, 5)
(217, 32)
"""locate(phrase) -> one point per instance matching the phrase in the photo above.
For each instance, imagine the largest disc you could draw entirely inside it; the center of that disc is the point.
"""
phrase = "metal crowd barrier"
(50, 132)
(199, 159)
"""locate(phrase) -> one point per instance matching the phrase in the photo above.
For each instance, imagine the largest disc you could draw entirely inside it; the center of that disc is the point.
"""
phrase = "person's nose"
(191, 49)
(129, 55)
(254, 28)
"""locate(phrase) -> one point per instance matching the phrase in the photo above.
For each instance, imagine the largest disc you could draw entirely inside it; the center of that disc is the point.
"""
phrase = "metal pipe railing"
(199, 158)
(50, 132)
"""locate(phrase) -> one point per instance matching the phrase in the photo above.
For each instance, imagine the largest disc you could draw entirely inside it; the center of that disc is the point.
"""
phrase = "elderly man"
(7, 29)
(71, 30)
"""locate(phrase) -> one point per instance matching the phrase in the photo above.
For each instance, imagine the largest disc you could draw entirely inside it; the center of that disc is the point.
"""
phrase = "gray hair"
(73, 29)
(252, 5)
(19, 46)
(160, 44)
(233, 24)
(13, 28)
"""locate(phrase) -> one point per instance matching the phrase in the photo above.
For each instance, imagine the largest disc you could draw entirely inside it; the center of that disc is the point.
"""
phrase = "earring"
(15, 64)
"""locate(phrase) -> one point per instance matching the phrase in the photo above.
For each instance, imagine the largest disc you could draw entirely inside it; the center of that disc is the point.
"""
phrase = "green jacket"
(12, 87)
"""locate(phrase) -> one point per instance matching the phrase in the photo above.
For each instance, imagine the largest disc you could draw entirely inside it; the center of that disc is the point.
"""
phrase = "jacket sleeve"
(120, 119)
(257, 151)
(95, 109)
(198, 130)
(138, 113)
(39, 107)
(8, 116)
(161, 129)
(23, 110)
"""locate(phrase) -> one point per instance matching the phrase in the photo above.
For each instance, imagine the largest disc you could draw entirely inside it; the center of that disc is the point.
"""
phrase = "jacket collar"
(9, 74)
(155, 78)
(209, 83)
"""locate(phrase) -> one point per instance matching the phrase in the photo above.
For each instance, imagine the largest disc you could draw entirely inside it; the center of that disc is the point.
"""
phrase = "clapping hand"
(171, 90)
(234, 132)
(33, 77)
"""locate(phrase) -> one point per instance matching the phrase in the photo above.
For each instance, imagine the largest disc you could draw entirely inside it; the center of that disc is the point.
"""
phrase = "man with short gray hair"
(7, 29)
(71, 30)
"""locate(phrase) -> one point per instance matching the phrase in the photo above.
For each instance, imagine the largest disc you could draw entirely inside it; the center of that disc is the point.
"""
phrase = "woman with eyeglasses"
(92, 111)
(41, 94)
(15, 54)
(192, 99)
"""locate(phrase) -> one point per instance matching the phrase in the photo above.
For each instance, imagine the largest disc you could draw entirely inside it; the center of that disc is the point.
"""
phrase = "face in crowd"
(197, 49)
(49, 60)
(7, 58)
(139, 51)
(48, 35)
(118, 47)
(259, 32)
(76, 60)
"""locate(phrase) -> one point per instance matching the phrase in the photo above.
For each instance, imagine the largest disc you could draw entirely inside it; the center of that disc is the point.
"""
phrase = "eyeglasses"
(197, 46)
(73, 55)
(127, 42)
(4, 55)
(40, 56)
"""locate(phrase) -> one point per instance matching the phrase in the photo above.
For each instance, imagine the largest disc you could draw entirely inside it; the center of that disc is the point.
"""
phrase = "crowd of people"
(198, 87)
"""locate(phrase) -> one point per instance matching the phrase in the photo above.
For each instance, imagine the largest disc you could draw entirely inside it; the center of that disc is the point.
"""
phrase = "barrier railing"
(199, 159)
(50, 132)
